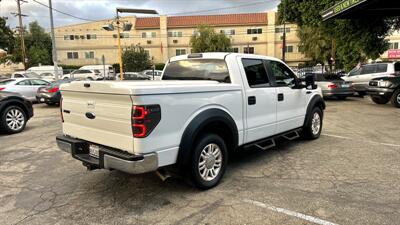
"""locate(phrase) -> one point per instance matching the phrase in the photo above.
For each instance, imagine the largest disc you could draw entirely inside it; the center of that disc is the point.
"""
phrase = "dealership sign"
(394, 54)
(340, 8)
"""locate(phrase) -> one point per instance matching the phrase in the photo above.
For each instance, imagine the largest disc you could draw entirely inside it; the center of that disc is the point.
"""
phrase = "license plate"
(42, 100)
(345, 85)
(94, 151)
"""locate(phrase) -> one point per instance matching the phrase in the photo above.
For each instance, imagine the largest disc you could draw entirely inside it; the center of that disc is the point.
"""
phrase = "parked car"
(27, 87)
(132, 76)
(24, 74)
(385, 89)
(109, 70)
(84, 74)
(207, 106)
(51, 94)
(360, 76)
(149, 73)
(46, 70)
(15, 111)
(333, 86)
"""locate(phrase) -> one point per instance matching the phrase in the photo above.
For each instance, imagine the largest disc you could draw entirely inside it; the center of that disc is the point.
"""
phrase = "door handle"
(252, 100)
(308, 92)
(280, 97)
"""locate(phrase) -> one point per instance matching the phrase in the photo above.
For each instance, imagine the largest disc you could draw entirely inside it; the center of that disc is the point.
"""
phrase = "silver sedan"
(27, 87)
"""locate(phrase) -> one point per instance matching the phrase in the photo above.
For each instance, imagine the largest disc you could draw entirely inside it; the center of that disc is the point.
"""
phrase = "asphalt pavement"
(350, 175)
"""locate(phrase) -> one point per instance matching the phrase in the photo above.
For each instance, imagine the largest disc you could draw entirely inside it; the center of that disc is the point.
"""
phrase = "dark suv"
(385, 89)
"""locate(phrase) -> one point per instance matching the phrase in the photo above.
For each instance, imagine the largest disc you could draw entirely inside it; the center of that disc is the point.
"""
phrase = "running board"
(292, 135)
(265, 144)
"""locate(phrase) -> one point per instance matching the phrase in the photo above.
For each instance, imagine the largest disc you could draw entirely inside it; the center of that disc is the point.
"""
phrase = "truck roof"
(220, 55)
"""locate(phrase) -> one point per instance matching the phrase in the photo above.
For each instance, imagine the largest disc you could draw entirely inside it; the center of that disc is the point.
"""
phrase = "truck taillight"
(144, 119)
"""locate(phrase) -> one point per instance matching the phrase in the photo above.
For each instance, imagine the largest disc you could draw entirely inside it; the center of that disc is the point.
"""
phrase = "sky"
(105, 9)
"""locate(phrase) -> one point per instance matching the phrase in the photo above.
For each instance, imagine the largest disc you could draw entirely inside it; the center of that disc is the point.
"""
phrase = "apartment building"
(166, 36)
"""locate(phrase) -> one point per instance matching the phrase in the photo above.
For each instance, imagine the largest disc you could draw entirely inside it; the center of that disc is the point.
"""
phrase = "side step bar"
(268, 143)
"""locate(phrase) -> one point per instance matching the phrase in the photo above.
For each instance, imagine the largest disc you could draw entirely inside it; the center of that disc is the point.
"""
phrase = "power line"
(64, 13)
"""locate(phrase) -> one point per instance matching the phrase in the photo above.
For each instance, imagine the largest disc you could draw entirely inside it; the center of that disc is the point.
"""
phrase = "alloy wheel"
(316, 123)
(15, 119)
(210, 162)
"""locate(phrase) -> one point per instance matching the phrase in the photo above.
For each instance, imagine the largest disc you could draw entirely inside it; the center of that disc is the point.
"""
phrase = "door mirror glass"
(310, 82)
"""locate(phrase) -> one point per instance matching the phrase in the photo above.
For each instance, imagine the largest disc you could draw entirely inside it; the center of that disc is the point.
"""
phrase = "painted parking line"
(290, 213)
(361, 140)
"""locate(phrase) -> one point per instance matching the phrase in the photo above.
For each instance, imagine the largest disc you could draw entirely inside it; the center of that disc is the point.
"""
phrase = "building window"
(147, 52)
(71, 37)
(121, 35)
(148, 34)
(228, 31)
(280, 30)
(394, 45)
(174, 33)
(76, 37)
(254, 31)
(248, 50)
(91, 36)
(289, 48)
(180, 52)
(89, 55)
(72, 55)
(235, 50)
(196, 33)
(66, 37)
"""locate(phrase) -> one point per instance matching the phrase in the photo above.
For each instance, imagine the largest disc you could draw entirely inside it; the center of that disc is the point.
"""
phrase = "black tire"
(308, 131)
(341, 97)
(361, 93)
(5, 115)
(380, 100)
(195, 171)
(396, 98)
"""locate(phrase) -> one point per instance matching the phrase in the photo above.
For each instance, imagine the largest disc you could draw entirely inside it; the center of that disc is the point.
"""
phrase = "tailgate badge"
(91, 104)
(90, 115)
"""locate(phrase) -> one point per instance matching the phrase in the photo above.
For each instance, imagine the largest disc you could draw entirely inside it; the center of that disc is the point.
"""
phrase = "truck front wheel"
(313, 126)
(209, 161)
(379, 100)
(396, 98)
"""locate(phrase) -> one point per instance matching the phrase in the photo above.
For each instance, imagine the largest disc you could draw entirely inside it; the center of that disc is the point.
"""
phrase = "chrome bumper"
(108, 158)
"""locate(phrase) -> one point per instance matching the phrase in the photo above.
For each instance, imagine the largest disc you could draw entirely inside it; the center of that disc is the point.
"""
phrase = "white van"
(109, 70)
(45, 70)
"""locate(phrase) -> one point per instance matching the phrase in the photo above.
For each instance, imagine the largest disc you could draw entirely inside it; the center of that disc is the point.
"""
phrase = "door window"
(282, 74)
(368, 69)
(17, 75)
(255, 73)
(24, 83)
(39, 82)
(381, 68)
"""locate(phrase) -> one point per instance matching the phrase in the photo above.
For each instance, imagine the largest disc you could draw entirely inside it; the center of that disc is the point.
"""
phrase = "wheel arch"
(316, 101)
(212, 120)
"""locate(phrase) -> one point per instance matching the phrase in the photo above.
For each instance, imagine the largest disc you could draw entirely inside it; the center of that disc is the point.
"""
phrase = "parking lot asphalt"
(350, 175)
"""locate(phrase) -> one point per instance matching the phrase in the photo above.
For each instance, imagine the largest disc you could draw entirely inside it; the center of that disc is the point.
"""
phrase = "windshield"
(4, 82)
(32, 75)
(197, 69)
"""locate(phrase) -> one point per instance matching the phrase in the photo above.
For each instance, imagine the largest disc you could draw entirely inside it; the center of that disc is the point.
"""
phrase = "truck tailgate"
(110, 107)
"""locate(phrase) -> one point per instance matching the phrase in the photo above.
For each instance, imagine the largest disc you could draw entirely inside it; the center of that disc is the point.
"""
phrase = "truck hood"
(147, 87)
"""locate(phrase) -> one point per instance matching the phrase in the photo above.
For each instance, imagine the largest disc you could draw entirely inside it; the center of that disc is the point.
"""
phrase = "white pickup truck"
(205, 107)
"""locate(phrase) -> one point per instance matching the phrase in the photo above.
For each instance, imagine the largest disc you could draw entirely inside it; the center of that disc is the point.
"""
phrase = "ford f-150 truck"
(205, 107)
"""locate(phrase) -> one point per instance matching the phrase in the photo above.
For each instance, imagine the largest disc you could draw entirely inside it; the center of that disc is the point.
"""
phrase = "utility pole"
(121, 69)
(53, 41)
(284, 33)
(21, 34)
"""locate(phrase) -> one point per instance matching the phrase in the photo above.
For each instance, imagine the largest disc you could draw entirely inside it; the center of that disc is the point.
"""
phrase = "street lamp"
(126, 27)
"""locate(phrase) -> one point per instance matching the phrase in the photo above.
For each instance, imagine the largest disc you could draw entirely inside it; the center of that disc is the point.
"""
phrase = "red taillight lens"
(61, 112)
(145, 119)
(2, 88)
(332, 86)
(53, 90)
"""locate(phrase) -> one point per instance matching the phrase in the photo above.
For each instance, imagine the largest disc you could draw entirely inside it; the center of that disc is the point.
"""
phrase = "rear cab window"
(256, 73)
(197, 69)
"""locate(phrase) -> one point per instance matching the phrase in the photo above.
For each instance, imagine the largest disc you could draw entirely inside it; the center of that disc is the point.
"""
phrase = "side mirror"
(310, 82)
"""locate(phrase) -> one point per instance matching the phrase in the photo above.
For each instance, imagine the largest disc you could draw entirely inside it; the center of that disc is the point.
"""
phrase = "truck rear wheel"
(380, 100)
(313, 126)
(396, 98)
(209, 161)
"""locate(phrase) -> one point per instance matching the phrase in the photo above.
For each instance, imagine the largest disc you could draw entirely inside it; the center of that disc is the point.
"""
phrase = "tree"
(135, 59)
(38, 46)
(349, 41)
(209, 41)
(6, 36)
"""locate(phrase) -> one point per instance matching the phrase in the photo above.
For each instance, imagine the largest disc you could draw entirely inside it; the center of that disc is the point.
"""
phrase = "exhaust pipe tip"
(163, 174)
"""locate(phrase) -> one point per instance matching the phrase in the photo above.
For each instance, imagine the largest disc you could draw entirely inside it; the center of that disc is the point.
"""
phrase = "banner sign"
(394, 54)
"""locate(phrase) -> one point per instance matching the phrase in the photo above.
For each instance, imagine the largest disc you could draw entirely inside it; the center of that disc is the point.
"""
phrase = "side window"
(283, 75)
(381, 68)
(39, 82)
(368, 69)
(18, 75)
(24, 83)
(255, 73)
(397, 67)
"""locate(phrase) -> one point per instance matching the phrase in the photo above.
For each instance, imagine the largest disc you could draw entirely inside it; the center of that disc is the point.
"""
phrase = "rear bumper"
(333, 93)
(108, 158)
(48, 98)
